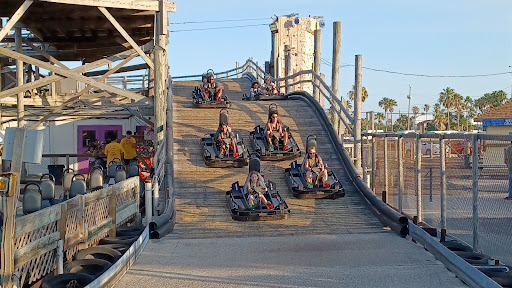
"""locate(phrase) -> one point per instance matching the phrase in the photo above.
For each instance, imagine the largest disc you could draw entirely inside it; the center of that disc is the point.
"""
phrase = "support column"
(401, 185)
(19, 80)
(317, 61)
(357, 111)
(275, 55)
(386, 171)
(442, 164)
(161, 75)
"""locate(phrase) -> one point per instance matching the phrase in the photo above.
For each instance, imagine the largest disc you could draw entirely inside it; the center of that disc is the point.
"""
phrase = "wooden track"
(200, 191)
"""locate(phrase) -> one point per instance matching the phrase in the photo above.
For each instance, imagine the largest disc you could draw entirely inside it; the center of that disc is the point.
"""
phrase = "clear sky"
(435, 37)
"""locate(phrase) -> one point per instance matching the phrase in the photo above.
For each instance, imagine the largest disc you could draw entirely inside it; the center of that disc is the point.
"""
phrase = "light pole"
(511, 83)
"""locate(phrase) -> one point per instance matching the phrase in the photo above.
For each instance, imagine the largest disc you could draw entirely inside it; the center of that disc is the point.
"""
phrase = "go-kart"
(278, 152)
(200, 101)
(211, 149)
(265, 96)
(296, 176)
(238, 201)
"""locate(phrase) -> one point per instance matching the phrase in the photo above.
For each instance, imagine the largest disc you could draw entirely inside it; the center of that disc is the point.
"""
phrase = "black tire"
(99, 252)
(457, 246)
(130, 231)
(118, 240)
(67, 280)
(93, 267)
(119, 247)
(502, 278)
(473, 257)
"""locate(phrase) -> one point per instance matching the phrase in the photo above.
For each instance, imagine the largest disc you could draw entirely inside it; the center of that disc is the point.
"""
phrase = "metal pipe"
(386, 170)
(357, 109)
(148, 196)
(374, 164)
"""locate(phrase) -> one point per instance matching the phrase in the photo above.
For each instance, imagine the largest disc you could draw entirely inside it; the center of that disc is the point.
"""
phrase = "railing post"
(474, 142)
(287, 67)
(357, 110)
(317, 61)
(112, 210)
(227, 74)
(60, 257)
(442, 164)
(237, 68)
(156, 196)
(336, 55)
(374, 164)
(400, 173)
(419, 200)
(125, 83)
(148, 200)
(258, 75)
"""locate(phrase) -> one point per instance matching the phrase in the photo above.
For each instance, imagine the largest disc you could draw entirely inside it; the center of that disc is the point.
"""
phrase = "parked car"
(427, 147)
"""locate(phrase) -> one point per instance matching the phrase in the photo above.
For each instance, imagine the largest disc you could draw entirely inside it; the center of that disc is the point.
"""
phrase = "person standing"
(113, 150)
(129, 144)
(508, 161)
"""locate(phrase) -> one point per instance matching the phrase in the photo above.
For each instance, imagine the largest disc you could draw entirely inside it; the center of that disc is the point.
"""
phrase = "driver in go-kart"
(315, 165)
(269, 87)
(224, 138)
(274, 128)
(255, 187)
(211, 89)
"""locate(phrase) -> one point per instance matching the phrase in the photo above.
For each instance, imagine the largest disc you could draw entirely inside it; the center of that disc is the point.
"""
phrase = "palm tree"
(468, 106)
(437, 108)
(379, 116)
(351, 93)
(391, 104)
(446, 99)
(426, 107)
(439, 120)
(415, 111)
(457, 104)
(383, 103)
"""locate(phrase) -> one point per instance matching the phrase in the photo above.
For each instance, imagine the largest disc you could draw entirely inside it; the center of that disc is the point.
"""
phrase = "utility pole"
(409, 110)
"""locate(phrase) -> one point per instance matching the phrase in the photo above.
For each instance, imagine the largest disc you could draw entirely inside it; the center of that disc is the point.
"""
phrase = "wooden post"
(125, 83)
(237, 68)
(287, 67)
(357, 111)
(7, 244)
(19, 80)
(258, 74)
(112, 210)
(419, 192)
(1, 78)
(474, 141)
(316, 66)
(138, 217)
(227, 75)
(151, 80)
(401, 182)
(336, 55)
(61, 224)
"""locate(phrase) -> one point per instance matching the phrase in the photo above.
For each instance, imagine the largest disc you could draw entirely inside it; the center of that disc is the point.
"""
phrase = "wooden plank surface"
(200, 191)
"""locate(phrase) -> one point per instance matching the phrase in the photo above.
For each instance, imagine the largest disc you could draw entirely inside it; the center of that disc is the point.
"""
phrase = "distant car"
(427, 148)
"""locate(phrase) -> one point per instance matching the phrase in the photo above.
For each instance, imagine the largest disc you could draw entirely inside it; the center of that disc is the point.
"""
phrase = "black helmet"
(311, 142)
(254, 164)
(223, 117)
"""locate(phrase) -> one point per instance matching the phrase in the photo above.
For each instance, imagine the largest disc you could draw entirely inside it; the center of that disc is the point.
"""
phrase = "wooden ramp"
(200, 191)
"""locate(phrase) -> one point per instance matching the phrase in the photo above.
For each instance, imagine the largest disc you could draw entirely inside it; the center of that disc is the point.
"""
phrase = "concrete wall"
(493, 153)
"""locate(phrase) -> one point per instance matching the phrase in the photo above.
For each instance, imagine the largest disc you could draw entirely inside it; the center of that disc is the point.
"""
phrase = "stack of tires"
(90, 263)
(501, 274)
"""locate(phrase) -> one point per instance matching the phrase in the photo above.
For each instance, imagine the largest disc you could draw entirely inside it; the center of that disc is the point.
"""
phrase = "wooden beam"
(46, 55)
(70, 74)
(126, 36)
(148, 5)
(50, 79)
(124, 69)
(14, 19)
(80, 93)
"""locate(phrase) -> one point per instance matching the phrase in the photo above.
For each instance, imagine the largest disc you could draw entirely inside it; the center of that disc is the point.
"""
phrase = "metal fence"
(432, 177)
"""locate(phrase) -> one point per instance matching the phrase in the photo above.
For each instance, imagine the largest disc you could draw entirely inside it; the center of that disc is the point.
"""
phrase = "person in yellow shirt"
(113, 150)
(129, 144)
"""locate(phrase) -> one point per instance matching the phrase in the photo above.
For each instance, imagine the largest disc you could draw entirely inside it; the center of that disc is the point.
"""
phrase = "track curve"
(201, 207)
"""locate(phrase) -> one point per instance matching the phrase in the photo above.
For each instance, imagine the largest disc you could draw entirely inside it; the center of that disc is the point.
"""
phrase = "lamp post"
(510, 66)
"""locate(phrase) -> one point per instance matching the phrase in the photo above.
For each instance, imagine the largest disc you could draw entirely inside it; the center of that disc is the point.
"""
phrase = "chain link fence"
(431, 177)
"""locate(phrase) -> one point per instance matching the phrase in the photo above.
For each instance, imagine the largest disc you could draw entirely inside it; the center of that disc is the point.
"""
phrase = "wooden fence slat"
(36, 220)
(35, 249)
(90, 198)
(126, 212)
(102, 227)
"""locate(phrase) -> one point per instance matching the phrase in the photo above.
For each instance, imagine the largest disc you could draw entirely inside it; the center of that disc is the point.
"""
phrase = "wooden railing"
(70, 226)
